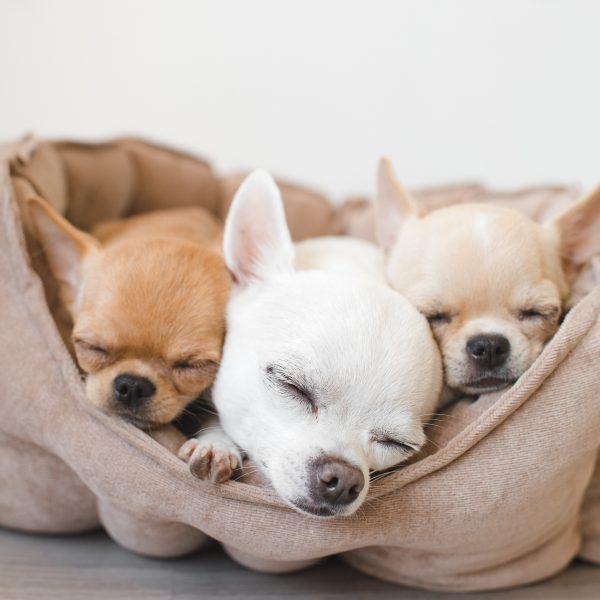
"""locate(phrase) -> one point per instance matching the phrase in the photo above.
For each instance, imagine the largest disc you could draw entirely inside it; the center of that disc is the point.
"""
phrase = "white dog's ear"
(392, 206)
(579, 232)
(256, 242)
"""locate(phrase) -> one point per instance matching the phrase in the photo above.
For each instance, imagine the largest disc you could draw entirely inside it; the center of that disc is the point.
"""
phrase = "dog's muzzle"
(132, 391)
(333, 485)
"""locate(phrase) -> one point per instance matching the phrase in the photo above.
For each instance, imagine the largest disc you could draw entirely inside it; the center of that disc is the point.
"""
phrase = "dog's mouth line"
(489, 382)
(143, 417)
(315, 510)
(136, 421)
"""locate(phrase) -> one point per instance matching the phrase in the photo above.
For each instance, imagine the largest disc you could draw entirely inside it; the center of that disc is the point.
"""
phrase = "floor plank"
(91, 567)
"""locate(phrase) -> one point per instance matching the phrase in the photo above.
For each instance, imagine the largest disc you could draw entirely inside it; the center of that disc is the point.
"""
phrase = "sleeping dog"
(492, 283)
(147, 296)
(326, 373)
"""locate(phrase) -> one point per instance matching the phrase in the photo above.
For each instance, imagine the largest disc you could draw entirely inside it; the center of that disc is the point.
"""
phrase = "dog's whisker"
(246, 473)
(361, 513)
(440, 416)
(188, 411)
(252, 472)
(435, 444)
(207, 410)
(206, 429)
(378, 477)
(434, 424)
(436, 427)
(385, 474)
(438, 420)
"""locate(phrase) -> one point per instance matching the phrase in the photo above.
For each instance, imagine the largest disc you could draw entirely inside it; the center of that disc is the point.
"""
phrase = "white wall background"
(507, 91)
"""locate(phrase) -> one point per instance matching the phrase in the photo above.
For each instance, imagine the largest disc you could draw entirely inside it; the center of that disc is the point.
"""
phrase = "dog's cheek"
(288, 473)
(193, 385)
(98, 390)
(454, 358)
(168, 402)
(380, 459)
(524, 351)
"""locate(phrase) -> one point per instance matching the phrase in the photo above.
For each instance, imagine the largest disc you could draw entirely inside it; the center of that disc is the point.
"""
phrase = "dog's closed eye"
(395, 444)
(438, 318)
(550, 313)
(92, 347)
(91, 354)
(183, 365)
(290, 385)
(195, 367)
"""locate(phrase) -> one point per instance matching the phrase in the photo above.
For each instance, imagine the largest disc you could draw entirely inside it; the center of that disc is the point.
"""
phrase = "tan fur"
(149, 301)
(483, 267)
(190, 223)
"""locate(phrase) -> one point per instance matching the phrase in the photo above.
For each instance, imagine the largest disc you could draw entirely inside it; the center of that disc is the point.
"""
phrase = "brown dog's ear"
(392, 206)
(65, 247)
(579, 232)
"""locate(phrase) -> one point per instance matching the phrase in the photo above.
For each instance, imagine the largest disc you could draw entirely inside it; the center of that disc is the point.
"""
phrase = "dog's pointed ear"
(578, 229)
(393, 206)
(256, 242)
(65, 247)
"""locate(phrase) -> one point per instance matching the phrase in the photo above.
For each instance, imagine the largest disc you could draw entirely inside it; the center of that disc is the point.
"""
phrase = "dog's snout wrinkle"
(131, 390)
(335, 481)
(490, 350)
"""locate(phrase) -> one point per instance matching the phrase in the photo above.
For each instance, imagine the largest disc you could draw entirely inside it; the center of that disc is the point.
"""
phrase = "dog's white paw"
(211, 459)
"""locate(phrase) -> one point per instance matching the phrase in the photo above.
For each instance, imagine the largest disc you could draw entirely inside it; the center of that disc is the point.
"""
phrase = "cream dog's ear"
(256, 242)
(65, 246)
(578, 228)
(392, 206)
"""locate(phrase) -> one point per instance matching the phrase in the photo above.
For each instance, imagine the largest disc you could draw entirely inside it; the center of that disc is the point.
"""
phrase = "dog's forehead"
(319, 309)
(492, 234)
(473, 253)
(363, 343)
(158, 301)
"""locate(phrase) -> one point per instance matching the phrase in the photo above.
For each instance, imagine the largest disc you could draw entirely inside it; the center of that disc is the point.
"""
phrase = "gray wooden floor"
(91, 567)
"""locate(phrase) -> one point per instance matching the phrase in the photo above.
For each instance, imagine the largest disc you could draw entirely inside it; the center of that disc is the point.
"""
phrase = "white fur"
(343, 255)
(366, 354)
(483, 229)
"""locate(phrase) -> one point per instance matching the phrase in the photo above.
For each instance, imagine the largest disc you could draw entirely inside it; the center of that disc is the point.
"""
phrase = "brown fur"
(148, 300)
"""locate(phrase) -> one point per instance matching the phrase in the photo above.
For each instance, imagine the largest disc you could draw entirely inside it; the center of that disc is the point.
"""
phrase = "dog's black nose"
(488, 350)
(131, 390)
(335, 482)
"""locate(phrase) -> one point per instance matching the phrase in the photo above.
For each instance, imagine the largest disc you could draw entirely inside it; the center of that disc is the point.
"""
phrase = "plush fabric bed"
(504, 495)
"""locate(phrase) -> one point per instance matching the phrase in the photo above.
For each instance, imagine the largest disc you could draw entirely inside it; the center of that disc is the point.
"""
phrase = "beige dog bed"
(497, 500)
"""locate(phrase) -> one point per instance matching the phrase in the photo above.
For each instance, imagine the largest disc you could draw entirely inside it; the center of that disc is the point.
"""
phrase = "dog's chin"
(141, 422)
(485, 385)
(322, 511)
(139, 419)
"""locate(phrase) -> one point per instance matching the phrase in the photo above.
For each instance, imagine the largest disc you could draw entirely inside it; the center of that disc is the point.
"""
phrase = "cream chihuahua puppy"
(326, 375)
(492, 282)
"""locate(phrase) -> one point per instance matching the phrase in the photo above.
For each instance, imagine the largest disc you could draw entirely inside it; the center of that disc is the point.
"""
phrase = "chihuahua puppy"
(147, 298)
(326, 375)
(492, 283)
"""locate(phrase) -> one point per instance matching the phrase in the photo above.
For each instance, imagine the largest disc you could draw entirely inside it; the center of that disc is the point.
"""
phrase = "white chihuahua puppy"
(326, 373)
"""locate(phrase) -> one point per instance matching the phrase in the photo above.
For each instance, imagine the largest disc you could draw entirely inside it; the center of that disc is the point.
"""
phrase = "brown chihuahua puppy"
(147, 296)
(492, 282)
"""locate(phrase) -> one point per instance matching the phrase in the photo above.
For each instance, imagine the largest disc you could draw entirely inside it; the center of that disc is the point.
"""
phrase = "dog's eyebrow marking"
(482, 227)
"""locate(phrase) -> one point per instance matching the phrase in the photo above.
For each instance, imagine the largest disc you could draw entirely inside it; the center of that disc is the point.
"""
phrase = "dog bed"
(499, 499)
